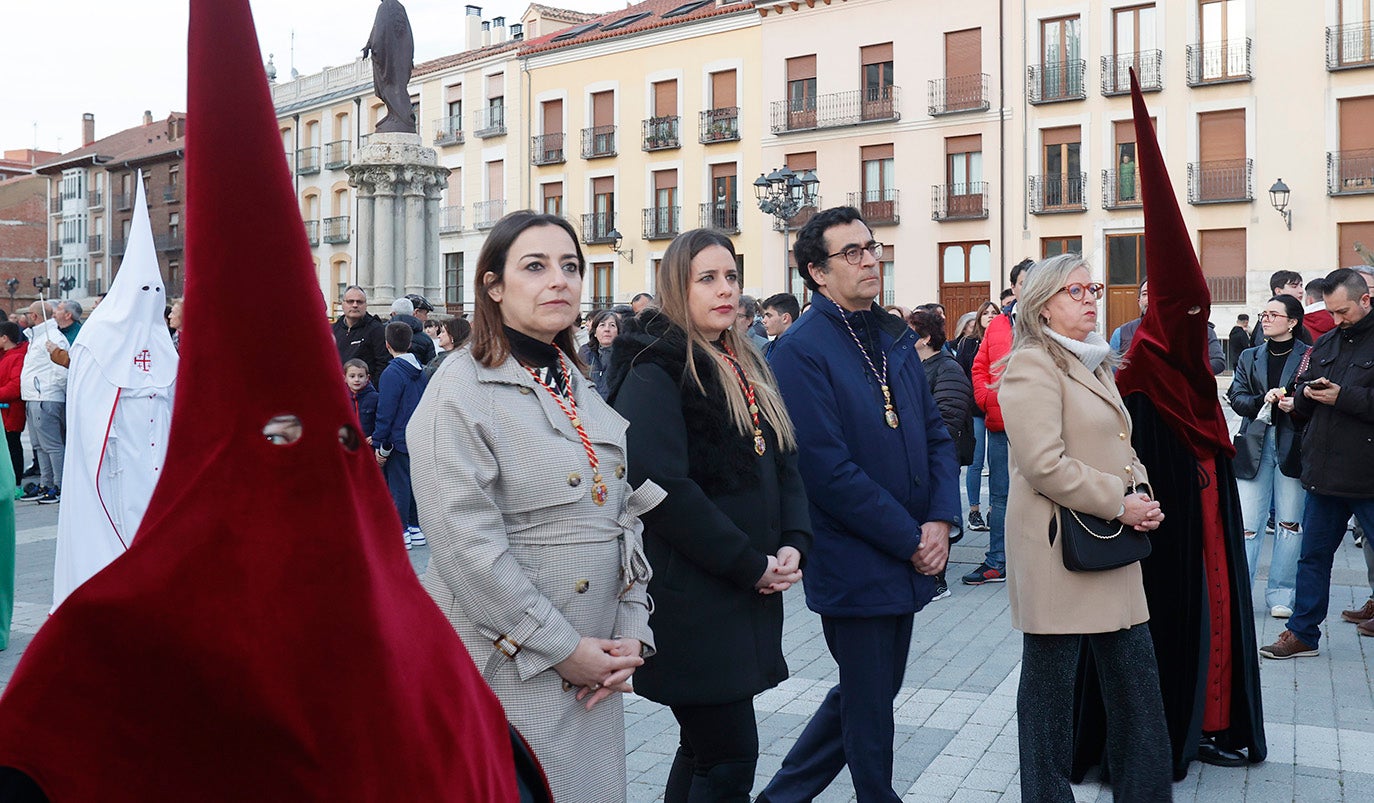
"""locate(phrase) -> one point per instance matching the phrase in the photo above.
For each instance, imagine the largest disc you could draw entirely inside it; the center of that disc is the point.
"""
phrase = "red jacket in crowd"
(11, 364)
(1318, 323)
(996, 345)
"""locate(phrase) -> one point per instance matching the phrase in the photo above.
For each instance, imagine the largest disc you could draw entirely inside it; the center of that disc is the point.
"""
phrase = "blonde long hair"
(1043, 282)
(674, 279)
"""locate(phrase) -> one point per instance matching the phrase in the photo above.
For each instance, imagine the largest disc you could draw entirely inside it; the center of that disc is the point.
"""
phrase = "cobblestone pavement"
(956, 723)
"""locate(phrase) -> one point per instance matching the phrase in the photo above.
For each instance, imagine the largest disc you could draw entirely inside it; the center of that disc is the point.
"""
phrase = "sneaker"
(942, 591)
(51, 496)
(406, 535)
(32, 492)
(1360, 614)
(976, 523)
(1280, 611)
(984, 574)
(417, 538)
(1288, 646)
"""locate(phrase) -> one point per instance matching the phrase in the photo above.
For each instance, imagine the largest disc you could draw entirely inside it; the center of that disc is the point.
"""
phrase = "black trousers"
(1137, 738)
(718, 749)
(16, 455)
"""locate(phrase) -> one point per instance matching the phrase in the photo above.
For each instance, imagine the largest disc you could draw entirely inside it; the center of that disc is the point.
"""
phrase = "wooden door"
(1125, 272)
(965, 279)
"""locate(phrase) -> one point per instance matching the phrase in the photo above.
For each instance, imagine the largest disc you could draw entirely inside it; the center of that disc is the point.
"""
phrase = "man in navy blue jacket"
(882, 477)
(403, 384)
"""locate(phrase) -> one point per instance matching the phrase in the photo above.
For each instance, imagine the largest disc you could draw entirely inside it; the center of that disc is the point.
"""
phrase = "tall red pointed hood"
(1168, 357)
(265, 636)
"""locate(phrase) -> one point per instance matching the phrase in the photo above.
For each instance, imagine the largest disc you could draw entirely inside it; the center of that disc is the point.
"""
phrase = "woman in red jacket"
(14, 346)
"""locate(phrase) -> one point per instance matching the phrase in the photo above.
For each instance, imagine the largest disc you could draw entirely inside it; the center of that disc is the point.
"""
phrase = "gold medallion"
(891, 417)
(759, 446)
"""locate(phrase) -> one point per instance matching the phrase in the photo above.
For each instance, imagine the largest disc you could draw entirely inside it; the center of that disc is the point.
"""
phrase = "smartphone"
(1319, 384)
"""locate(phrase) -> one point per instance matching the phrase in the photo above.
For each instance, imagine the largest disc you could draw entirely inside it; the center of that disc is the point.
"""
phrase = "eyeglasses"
(854, 254)
(354, 301)
(1077, 290)
(1269, 316)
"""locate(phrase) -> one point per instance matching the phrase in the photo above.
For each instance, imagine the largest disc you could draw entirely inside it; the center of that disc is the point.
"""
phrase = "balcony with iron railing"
(449, 130)
(721, 215)
(960, 93)
(837, 109)
(172, 195)
(486, 213)
(547, 149)
(1057, 192)
(597, 227)
(1120, 189)
(336, 154)
(336, 229)
(54, 248)
(878, 207)
(489, 122)
(95, 199)
(718, 125)
(1350, 172)
(1219, 63)
(1217, 182)
(798, 220)
(662, 222)
(965, 201)
(308, 161)
(118, 245)
(55, 205)
(662, 133)
(1056, 82)
(124, 201)
(450, 219)
(95, 243)
(598, 141)
(171, 241)
(1350, 46)
(312, 232)
(1149, 71)
(1226, 289)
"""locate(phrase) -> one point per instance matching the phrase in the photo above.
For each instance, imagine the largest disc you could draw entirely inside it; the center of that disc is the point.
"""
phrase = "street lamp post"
(783, 194)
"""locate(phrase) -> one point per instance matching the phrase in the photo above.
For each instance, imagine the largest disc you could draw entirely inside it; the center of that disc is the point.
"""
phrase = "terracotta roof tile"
(139, 142)
(655, 10)
(455, 59)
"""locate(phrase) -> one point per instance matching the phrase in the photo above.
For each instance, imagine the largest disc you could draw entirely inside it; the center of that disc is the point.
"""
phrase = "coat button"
(574, 479)
(581, 586)
(620, 472)
(1130, 470)
(525, 391)
(1122, 436)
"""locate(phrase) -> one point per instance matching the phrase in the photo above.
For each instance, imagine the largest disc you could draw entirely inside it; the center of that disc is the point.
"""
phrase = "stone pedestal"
(399, 182)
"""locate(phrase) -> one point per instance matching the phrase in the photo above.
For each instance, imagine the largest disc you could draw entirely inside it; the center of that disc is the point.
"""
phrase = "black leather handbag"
(1093, 544)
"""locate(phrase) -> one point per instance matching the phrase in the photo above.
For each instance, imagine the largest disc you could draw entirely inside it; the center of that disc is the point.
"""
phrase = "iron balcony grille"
(662, 222)
(1058, 192)
(878, 207)
(1225, 181)
(172, 195)
(1220, 63)
(336, 229)
(123, 201)
(1056, 82)
(95, 199)
(168, 242)
(1350, 172)
(547, 149)
(836, 109)
(118, 246)
(449, 130)
(598, 141)
(721, 215)
(798, 220)
(54, 248)
(489, 122)
(307, 161)
(662, 133)
(1350, 46)
(602, 302)
(1226, 289)
(965, 201)
(55, 205)
(718, 125)
(961, 93)
(486, 213)
(1120, 189)
(336, 154)
(95, 243)
(450, 219)
(597, 227)
(312, 232)
(1148, 66)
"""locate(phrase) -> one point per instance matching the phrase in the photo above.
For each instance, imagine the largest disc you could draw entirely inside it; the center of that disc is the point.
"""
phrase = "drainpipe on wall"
(1025, 120)
(357, 202)
(1002, 140)
(529, 120)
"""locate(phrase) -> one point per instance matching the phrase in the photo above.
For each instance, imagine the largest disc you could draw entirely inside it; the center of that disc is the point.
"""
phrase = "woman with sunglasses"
(1070, 444)
(1267, 460)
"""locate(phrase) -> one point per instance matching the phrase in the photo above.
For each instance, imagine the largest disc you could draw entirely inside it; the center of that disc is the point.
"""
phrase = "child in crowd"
(403, 385)
(364, 395)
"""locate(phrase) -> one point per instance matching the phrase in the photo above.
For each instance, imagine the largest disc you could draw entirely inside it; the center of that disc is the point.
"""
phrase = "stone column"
(362, 265)
(434, 259)
(384, 244)
(414, 263)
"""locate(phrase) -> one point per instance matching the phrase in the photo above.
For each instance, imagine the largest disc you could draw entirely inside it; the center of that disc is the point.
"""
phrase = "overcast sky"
(62, 58)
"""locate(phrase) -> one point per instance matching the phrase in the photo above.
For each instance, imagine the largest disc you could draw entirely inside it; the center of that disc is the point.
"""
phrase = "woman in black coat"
(713, 432)
(953, 392)
(604, 328)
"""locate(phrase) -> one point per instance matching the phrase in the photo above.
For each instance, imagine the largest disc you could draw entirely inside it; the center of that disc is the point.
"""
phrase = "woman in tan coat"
(520, 474)
(1071, 447)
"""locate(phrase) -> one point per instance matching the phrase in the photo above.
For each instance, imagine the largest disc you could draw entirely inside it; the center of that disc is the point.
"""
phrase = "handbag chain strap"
(1089, 530)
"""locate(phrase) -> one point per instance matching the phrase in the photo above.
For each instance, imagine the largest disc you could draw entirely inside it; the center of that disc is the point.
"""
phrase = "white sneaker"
(417, 538)
(406, 535)
(1280, 611)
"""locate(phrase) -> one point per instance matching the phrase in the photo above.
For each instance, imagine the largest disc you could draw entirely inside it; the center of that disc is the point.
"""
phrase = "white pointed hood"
(127, 334)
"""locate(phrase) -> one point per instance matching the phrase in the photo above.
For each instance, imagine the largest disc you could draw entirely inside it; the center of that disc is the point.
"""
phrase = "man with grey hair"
(421, 344)
(43, 389)
(745, 321)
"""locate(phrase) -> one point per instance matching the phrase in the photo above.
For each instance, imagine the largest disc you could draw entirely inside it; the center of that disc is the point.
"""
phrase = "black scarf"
(541, 356)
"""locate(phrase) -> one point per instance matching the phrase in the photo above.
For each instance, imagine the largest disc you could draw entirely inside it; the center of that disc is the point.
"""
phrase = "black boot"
(679, 777)
(724, 783)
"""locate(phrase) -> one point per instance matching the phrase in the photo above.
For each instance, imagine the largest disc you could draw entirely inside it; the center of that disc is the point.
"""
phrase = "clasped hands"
(933, 553)
(601, 667)
(783, 570)
(1141, 512)
(1280, 397)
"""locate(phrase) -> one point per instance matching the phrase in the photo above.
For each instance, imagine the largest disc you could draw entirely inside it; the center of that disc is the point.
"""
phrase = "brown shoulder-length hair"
(674, 280)
(490, 347)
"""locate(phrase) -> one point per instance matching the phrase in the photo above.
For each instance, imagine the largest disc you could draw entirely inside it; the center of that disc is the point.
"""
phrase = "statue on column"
(392, 46)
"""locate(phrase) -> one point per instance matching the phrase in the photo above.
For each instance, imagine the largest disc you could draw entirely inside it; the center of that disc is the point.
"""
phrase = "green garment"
(70, 332)
(1126, 182)
(6, 552)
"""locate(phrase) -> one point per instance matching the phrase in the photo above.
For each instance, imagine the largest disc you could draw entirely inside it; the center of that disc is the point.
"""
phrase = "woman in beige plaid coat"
(519, 470)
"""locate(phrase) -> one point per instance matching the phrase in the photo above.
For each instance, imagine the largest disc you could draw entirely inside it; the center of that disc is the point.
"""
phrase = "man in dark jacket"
(421, 344)
(359, 335)
(1239, 339)
(882, 479)
(1336, 394)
